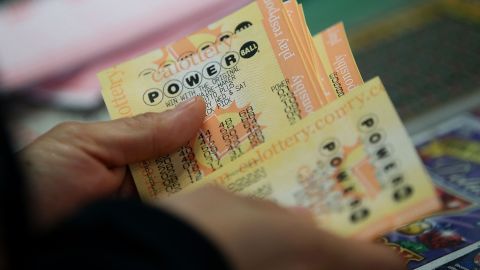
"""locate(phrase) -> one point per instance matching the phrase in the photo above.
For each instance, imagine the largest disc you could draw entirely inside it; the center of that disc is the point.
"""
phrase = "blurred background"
(426, 51)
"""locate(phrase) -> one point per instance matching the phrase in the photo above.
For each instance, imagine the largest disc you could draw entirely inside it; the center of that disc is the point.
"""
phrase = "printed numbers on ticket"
(351, 163)
(245, 106)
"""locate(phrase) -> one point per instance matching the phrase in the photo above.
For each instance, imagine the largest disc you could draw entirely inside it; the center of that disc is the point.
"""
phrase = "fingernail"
(186, 103)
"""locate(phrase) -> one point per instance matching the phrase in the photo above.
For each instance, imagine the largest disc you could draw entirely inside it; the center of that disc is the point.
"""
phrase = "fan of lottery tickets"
(288, 118)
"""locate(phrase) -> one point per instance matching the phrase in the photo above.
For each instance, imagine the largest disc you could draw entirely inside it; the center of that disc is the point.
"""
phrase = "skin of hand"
(77, 163)
(258, 234)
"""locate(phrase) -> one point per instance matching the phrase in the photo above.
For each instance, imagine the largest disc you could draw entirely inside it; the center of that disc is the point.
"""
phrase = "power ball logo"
(209, 71)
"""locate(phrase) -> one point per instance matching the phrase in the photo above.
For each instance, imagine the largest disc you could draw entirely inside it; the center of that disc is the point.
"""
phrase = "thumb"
(150, 135)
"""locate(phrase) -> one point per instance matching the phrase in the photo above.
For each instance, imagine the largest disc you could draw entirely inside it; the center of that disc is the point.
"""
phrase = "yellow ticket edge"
(337, 59)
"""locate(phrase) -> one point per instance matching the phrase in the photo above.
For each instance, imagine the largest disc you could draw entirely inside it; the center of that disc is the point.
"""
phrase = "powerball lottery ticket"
(336, 67)
(351, 163)
(244, 107)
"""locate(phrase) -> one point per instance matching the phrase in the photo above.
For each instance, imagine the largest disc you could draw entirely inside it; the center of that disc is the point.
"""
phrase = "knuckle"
(150, 125)
(141, 121)
(71, 133)
(68, 128)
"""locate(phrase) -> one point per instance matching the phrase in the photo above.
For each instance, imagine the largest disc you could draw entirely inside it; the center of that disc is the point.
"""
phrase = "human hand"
(76, 163)
(256, 234)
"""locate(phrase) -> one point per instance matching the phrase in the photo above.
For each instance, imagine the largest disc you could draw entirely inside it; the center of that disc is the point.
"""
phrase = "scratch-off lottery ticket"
(443, 241)
(451, 153)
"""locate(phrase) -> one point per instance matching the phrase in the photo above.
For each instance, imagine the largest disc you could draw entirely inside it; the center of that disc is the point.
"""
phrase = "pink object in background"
(56, 47)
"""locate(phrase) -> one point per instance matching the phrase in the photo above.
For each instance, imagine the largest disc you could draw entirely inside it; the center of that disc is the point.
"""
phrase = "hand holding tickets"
(245, 104)
(276, 126)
